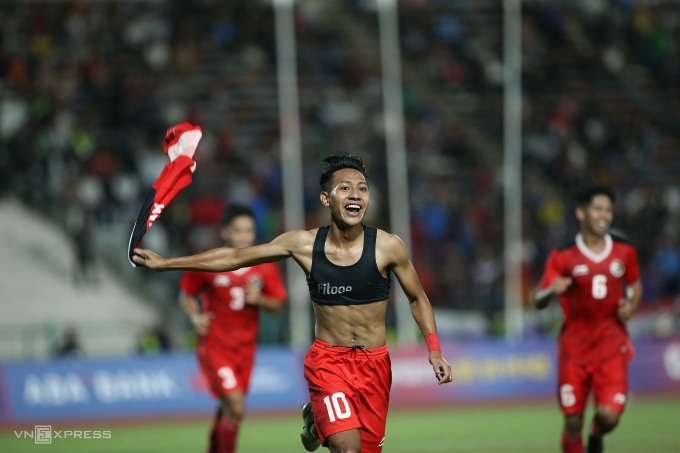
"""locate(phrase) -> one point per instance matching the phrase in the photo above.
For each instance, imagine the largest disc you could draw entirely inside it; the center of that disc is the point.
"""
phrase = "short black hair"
(586, 192)
(336, 162)
(235, 210)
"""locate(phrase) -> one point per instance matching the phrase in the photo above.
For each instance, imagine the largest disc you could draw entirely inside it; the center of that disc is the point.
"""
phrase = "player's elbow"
(539, 302)
(276, 308)
(540, 305)
(540, 298)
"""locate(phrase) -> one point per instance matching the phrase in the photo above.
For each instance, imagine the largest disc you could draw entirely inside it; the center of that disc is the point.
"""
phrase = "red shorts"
(349, 389)
(608, 381)
(224, 369)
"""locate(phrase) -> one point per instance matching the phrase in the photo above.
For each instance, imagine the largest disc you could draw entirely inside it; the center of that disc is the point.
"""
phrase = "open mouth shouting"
(353, 209)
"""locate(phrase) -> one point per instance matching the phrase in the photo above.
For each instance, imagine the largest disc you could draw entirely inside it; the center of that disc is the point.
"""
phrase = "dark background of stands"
(89, 88)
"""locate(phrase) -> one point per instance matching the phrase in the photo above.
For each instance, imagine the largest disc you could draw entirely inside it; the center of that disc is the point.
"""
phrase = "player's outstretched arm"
(223, 258)
(213, 260)
(420, 305)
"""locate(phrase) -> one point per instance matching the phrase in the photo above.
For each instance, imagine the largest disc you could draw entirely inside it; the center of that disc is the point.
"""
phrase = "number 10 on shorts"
(337, 406)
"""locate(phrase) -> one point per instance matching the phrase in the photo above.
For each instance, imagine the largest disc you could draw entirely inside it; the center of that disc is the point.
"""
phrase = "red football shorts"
(224, 369)
(607, 379)
(349, 389)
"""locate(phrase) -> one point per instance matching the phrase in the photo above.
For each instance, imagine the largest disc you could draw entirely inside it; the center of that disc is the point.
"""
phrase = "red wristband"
(432, 342)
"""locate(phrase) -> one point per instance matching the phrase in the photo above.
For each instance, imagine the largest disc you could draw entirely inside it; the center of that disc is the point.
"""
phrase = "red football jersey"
(591, 330)
(223, 294)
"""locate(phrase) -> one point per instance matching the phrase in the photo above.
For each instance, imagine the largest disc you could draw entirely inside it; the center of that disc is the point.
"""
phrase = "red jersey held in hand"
(591, 330)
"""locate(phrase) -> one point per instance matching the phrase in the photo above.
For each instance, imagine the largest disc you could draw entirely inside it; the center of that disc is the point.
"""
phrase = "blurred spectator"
(79, 227)
(154, 340)
(68, 345)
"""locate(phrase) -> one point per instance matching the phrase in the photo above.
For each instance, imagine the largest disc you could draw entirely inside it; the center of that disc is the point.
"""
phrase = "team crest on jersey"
(617, 268)
(580, 269)
(221, 280)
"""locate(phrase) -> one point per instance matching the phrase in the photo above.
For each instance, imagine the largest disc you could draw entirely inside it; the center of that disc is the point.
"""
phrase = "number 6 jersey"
(591, 330)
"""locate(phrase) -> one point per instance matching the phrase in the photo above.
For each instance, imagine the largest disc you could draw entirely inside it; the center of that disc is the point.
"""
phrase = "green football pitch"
(650, 425)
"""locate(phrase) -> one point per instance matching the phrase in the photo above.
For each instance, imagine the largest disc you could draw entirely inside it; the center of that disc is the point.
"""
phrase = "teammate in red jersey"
(597, 280)
(227, 322)
(348, 267)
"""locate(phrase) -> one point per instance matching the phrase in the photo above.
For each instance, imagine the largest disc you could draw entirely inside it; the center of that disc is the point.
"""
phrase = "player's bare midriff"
(351, 325)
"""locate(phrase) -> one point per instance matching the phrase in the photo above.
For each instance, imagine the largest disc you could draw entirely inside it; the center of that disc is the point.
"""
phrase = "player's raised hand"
(147, 258)
(442, 369)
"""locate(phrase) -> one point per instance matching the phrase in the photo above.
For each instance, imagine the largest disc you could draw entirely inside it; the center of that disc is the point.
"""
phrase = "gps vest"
(359, 283)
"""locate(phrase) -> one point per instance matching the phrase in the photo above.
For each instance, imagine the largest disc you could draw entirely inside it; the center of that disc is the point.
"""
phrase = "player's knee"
(607, 419)
(344, 442)
(238, 415)
(238, 412)
(344, 448)
(573, 423)
(234, 409)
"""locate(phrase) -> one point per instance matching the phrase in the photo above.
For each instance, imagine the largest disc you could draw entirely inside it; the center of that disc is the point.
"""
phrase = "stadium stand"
(89, 89)
(40, 300)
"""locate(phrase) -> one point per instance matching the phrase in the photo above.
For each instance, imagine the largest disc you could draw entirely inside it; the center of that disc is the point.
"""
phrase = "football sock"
(595, 428)
(572, 442)
(595, 444)
(227, 430)
(212, 445)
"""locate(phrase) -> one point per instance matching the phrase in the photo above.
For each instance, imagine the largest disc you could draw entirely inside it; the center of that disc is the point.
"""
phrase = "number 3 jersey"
(591, 330)
(234, 323)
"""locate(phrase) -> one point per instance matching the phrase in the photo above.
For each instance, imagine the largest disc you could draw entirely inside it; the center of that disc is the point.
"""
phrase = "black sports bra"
(359, 283)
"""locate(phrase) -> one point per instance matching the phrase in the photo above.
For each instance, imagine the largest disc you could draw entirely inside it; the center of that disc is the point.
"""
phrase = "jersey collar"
(595, 257)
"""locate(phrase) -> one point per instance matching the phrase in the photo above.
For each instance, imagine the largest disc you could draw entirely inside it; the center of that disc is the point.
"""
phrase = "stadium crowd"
(88, 90)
